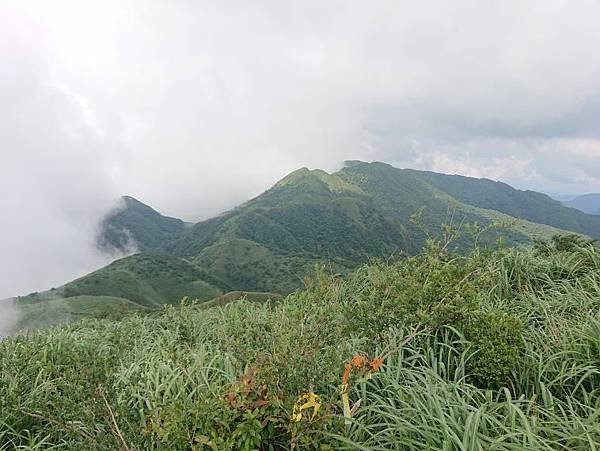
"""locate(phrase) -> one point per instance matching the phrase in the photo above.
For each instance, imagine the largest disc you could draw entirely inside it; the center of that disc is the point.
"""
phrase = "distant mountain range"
(271, 242)
(588, 203)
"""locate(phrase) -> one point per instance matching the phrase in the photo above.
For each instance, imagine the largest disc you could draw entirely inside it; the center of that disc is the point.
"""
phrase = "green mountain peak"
(294, 176)
(135, 225)
(316, 177)
(350, 163)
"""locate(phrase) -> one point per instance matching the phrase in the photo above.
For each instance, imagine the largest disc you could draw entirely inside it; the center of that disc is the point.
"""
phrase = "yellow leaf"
(347, 411)
(306, 401)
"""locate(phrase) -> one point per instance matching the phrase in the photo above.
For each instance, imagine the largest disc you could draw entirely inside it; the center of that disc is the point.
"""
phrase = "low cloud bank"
(57, 172)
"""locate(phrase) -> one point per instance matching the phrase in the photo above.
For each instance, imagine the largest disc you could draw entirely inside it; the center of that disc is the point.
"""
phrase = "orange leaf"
(375, 364)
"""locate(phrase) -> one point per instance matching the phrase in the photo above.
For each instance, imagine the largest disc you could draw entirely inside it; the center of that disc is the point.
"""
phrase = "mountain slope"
(148, 280)
(56, 311)
(363, 211)
(310, 213)
(588, 203)
(134, 225)
(529, 205)
(400, 193)
(272, 242)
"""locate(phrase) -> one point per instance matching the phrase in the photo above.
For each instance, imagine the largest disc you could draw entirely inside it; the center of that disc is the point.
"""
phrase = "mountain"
(134, 225)
(588, 203)
(147, 279)
(562, 197)
(529, 205)
(363, 211)
(272, 242)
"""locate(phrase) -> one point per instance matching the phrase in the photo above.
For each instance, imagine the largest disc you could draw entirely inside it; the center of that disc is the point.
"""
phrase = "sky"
(195, 106)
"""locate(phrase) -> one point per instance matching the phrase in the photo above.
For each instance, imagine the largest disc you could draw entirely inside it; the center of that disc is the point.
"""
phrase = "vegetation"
(139, 282)
(529, 205)
(68, 310)
(232, 296)
(272, 242)
(492, 349)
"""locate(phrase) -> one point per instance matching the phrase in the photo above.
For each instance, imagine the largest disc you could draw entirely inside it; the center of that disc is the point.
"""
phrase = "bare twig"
(114, 422)
(410, 336)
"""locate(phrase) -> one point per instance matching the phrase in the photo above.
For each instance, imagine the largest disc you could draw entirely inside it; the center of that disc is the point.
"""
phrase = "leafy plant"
(497, 349)
(497, 341)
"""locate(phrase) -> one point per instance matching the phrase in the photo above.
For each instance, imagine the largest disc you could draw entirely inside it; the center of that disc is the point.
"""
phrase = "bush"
(497, 341)
(432, 289)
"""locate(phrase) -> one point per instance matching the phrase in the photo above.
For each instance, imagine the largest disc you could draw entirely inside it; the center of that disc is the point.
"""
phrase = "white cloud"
(55, 180)
(195, 106)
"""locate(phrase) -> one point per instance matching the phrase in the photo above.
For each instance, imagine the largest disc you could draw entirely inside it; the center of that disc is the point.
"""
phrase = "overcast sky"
(195, 106)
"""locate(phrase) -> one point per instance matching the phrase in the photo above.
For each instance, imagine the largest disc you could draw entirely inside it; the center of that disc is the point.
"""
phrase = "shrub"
(497, 341)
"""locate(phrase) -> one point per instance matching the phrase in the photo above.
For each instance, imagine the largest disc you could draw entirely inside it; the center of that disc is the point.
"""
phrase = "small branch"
(114, 422)
(410, 336)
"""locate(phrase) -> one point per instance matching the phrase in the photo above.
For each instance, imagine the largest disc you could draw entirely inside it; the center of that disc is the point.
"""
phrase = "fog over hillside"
(196, 106)
(9, 315)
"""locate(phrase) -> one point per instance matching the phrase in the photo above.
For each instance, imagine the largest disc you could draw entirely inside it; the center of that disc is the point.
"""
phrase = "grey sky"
(195, 106)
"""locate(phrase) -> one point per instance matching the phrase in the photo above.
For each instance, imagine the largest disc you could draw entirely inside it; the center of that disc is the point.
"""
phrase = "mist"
(9, 316)
(55, 177)
(194, 106)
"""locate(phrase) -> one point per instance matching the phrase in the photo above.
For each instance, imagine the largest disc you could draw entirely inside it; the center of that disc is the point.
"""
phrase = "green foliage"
(433, 289)
(420, 401)
(232, 296)
(529, 205)
(494, 350)
(147, 280)
(35, 315)
(496, 338)
(272, 242)
(561, 243)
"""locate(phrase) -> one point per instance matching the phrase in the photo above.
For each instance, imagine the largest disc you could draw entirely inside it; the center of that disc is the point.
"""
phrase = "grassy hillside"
(364, 211)
(234, 296)
(246, 265)
(303, 215)
(529, 205)
(492, 350)
(400, 193)
(273, 241)
(147, 279)
(68, 310)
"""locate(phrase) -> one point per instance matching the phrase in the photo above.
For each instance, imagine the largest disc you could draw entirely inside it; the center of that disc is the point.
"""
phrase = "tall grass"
(422, 400)
(495, 350)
